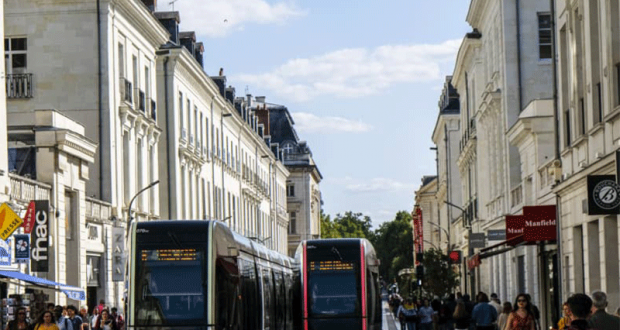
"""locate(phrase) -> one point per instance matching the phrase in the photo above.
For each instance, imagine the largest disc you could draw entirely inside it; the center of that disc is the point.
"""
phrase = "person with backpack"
(62, 321)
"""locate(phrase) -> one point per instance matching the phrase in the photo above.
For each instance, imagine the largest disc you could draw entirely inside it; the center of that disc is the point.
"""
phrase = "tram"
(339, 285)
(187, 274)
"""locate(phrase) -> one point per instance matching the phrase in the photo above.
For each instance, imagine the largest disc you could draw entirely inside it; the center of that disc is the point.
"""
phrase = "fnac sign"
(39, 238)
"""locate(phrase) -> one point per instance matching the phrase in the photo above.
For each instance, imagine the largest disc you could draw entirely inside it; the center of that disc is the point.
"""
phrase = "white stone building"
(588, 104)
(4, 161)
(503, 73)
(426, 200)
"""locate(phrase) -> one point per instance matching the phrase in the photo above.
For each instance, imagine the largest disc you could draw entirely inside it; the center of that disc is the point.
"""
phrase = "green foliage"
(439, 276)
(393, 242)
(349, 225)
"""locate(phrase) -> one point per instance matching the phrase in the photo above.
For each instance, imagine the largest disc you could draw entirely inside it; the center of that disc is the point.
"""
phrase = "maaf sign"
(9, 221)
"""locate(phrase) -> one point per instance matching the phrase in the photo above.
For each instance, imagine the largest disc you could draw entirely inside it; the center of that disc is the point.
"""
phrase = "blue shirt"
(484, 314)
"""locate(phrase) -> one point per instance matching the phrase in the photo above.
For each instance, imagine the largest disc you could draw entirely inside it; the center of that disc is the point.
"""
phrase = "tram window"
(333, 293)
(170, 286)
(249, 295)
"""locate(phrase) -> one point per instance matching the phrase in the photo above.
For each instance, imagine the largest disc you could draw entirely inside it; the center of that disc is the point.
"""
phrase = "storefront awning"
(71, 291)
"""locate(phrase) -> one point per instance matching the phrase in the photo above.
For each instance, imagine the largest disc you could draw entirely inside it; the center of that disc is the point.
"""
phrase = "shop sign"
(540, 223)
(40, 237)
(476, 240)
(29, 218)
(473, 261)
(5, 252)
(118, 251)
(22, 247)
(603, 195)
(9, 221)
(496, 234)
(515, 225)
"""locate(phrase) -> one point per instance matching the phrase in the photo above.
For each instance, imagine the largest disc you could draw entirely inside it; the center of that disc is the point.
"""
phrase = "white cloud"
(216, 18)
(371, 185)
(355, 72)
(309, 123)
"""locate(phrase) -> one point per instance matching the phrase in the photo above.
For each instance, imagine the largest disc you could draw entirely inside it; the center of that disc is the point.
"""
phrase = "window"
(599, 104)
(618, 84)
(288, 148)
(181, 110)
(567, 136)
(292, 223)
(582, 116)
(147, 83)
(15, 55)
(290, 190)
(544, 36)
(121, 60)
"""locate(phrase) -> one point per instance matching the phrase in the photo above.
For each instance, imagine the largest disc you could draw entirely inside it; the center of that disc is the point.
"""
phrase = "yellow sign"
(9, 221)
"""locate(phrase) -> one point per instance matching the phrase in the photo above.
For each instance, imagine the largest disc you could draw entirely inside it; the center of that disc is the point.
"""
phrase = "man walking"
(75, 319)
(484, 315)
(580, 306)
(600, 319)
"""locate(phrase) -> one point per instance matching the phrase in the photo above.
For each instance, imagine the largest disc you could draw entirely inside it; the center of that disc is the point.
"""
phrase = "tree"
(349, 225)
(328, 227)
(439, 277)
(393, 242)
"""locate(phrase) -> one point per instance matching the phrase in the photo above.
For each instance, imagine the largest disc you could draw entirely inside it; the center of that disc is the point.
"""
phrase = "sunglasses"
(521, 300)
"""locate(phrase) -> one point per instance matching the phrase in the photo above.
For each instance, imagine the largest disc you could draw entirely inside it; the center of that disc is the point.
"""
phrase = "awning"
(71, 291)
(512, 243)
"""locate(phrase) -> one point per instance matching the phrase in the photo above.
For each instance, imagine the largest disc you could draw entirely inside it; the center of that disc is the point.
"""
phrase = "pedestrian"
(503, 316)
(580, 307)
(62, 321)
(85, 318)
(20, 323)
(105, 321)
(447, 311)
(426, 316)
(73, 316)
(565, 320)
(408, 315)
(484, 315)
(93, 318)
(46, 321)
(600, 319)
(118, 318)
(461, 317)
(521, 317)
(535, 312)
(50, 307)
(495, 302)
(101, 305)
(436, 305)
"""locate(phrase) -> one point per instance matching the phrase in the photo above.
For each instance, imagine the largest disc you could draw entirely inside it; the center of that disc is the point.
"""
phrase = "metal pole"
(129, 217)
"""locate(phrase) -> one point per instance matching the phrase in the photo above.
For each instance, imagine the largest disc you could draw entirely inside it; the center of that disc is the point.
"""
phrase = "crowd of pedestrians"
(580, 312)
(57, 317)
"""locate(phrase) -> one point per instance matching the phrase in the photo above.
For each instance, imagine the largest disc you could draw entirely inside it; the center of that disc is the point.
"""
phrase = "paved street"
(389, 322)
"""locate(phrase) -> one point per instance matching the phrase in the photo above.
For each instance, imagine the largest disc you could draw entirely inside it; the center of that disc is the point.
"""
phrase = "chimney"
(150, 4)
(188, 40)
(230, 94)
(262, 113)
(260, 99)
(220, 81)
(170, 20)
(198, 51)
(221, 72)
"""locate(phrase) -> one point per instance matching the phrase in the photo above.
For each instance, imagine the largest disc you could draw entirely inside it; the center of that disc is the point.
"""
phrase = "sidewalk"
(389, 322)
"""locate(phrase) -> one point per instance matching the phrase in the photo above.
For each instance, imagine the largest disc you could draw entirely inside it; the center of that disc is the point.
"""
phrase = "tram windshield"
(169, 286)
(333, 283)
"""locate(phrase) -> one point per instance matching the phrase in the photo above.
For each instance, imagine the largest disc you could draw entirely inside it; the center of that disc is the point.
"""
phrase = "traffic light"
(419, 271)
(455, 257)
(419, 257)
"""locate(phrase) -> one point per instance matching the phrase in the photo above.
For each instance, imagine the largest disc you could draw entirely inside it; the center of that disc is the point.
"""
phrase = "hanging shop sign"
(603, 195)
(40, 237)
(473, 261)
(515, 226)
(540, 223)
(5, 252)
(22, 247)
(9, 221)
(29, 218)
(118, 251)
(476, 240)
(496, 234)
(418, 230)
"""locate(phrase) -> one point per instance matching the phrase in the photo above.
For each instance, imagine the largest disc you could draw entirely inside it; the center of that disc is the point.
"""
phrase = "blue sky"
(361, 78)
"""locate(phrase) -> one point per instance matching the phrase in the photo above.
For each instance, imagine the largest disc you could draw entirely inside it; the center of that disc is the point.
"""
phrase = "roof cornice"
(143, 20)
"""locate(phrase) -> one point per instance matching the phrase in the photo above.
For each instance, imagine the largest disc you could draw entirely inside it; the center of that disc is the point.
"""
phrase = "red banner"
(417, 230)
(515, 226)
(473, 261)
(29, 218)
(540, 223)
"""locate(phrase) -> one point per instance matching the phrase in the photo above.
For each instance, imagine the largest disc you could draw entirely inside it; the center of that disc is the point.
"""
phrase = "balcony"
(19, 86)
(97, 210)
(126, 89)
(141, 101)
(153, 110)
(25, 190)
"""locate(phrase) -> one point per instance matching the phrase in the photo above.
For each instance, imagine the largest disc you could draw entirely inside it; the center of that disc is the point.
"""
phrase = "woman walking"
(461, 318)
(46, 321)
(564, 322)
(20, 323)
(521, 317)
(503, 317)
(105, 321)
(426, 313)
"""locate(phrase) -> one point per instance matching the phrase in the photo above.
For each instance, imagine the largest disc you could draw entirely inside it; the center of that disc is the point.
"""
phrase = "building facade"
(303, 193)
(588, 104)
(426, 201)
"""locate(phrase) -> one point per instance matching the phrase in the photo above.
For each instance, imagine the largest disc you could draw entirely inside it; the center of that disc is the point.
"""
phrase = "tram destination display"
(330, 265)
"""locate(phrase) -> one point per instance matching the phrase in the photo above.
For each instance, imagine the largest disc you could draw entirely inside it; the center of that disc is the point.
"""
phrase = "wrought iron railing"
(19, 86)
(126, 89)
(153, 110)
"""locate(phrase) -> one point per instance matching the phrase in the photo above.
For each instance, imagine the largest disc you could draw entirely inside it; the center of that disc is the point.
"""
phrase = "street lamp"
(445, 231)
(470, 249)
(129, 217)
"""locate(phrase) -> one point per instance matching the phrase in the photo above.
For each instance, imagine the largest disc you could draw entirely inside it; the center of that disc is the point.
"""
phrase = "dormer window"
(288, 148)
